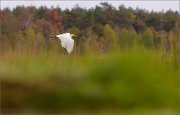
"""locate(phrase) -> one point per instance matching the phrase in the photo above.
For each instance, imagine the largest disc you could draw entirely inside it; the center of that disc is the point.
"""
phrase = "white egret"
(66, 41)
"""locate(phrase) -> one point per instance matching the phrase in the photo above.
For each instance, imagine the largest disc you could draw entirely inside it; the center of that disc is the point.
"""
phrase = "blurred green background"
(124, 61)
(133, 81)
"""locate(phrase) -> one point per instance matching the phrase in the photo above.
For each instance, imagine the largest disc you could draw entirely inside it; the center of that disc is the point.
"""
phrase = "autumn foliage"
(124, 60)
(101, 27)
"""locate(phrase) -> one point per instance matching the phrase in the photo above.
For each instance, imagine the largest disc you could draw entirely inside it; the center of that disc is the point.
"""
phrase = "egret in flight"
(66, 41)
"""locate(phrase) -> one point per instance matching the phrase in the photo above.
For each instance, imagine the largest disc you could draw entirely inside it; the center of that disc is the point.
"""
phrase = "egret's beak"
(53, 38)
(73, 35)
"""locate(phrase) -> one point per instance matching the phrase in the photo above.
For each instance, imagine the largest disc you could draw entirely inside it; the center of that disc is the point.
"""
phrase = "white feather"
(66, 41)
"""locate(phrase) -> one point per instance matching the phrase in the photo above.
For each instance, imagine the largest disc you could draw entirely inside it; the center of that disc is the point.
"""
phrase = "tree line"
(102, 28)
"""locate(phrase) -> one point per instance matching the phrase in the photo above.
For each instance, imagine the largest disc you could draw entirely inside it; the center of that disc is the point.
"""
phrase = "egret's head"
(72, 35)
(53, 37)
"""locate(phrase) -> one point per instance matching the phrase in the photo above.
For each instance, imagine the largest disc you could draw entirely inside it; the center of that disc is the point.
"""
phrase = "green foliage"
(124, 60)
(74, 30)
(41, 11)
(139, 79)
(127, 37)
(30, 35)
(139, 26)
(98, 28)
(109, 38)
(126, 17)
(123, 21)
(147, 38)
(90, 41)
(40, 43)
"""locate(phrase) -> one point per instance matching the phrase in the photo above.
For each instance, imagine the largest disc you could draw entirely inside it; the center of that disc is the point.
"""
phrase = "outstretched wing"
(63, 44)
(70, 44)
(66, 41)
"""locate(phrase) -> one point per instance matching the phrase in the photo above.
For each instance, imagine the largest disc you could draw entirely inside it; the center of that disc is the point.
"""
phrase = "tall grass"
(137, 80)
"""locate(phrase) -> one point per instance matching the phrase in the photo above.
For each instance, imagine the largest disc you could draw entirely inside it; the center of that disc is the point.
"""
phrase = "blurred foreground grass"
(135, 81)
